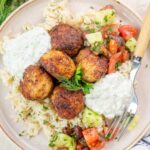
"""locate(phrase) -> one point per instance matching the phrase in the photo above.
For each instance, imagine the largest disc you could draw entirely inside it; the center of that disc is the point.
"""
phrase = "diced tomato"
(91, 136)
(79, 147)
(121, 48)
(125, 55)
(128, 31)
(107, 7)
(104, 131)
(111, 29)
(98, 146)
(113, 60)
(113, 46)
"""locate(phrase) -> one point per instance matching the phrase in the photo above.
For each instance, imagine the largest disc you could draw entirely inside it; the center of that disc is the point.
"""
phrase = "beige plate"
(31, 13)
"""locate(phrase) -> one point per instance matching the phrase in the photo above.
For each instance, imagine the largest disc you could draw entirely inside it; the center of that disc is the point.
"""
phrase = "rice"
(56, 13)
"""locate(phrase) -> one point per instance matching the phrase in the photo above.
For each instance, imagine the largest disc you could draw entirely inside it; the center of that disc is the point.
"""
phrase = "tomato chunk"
(107, 7)
(91, 136)
(113, 46)
(128, 31)
(121, 48)
(98, 146)
(105, 130)
(79, 147)
(111, 29)
(125, 55)
(118, 57)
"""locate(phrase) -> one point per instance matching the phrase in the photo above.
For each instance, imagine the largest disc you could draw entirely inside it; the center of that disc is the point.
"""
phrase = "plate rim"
(28, 3)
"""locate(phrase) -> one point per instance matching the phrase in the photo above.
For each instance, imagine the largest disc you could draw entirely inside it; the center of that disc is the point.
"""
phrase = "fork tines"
(119, 125)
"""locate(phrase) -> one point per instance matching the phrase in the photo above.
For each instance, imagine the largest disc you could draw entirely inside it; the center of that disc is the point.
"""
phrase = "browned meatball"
(93, 67)
(66, 38)
(84, 53)
(58, 64)
(36, 83)
(68, 104)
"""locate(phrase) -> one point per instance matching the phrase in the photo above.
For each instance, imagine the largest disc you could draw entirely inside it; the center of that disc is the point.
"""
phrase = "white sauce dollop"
(110, 95)
(24, 50)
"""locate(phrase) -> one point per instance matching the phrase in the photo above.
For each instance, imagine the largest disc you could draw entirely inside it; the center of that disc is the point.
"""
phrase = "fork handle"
(144, 36)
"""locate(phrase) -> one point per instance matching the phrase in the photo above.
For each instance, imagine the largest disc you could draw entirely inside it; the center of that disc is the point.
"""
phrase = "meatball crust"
(68, 104)
(66, 38)
(84, 53)
(36, 83)
(58, 64)
(94, 67)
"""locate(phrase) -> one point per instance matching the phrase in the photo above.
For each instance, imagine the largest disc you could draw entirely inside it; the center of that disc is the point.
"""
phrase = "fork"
(120, 124)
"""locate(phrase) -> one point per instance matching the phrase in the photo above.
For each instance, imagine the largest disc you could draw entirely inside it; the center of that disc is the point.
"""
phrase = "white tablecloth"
(140, 7)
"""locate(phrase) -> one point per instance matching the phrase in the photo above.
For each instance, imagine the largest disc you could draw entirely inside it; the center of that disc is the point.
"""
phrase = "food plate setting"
(65, 76)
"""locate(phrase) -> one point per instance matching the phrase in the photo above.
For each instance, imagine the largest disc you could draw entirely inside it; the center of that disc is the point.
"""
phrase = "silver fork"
(120, 124)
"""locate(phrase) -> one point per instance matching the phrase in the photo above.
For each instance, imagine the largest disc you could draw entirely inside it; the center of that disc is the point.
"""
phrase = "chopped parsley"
(113, 13)
(108, 136)
(118, 64)
(110, 29)
(45, 107)
(76, 83)
(22, 133)
(106, 18)
(45, 122)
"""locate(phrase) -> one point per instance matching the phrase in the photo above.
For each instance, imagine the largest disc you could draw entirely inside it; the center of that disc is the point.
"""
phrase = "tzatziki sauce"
(110, 95)
(24, 50)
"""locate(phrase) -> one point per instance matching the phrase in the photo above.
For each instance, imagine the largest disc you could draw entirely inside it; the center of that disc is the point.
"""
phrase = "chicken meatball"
(58, 64)
(84, 53)
(94, 67)
(68, 104)
(66, 38)
(36, 83)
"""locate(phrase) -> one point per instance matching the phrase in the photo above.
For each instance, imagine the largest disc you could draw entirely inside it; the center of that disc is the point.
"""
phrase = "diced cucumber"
(104, 17)
(63, 140)
(131, 44)
(91, 118)
(94, 37)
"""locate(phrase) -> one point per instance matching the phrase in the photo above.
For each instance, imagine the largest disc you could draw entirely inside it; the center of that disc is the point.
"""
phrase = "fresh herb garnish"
(52, 142)
(22, 133)
(118, 64)
(96, 46)
(76, 83)
(45, 107)
(110, 29)
(108, 136)
(45, 122)
(106, 18)
(113, 13)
